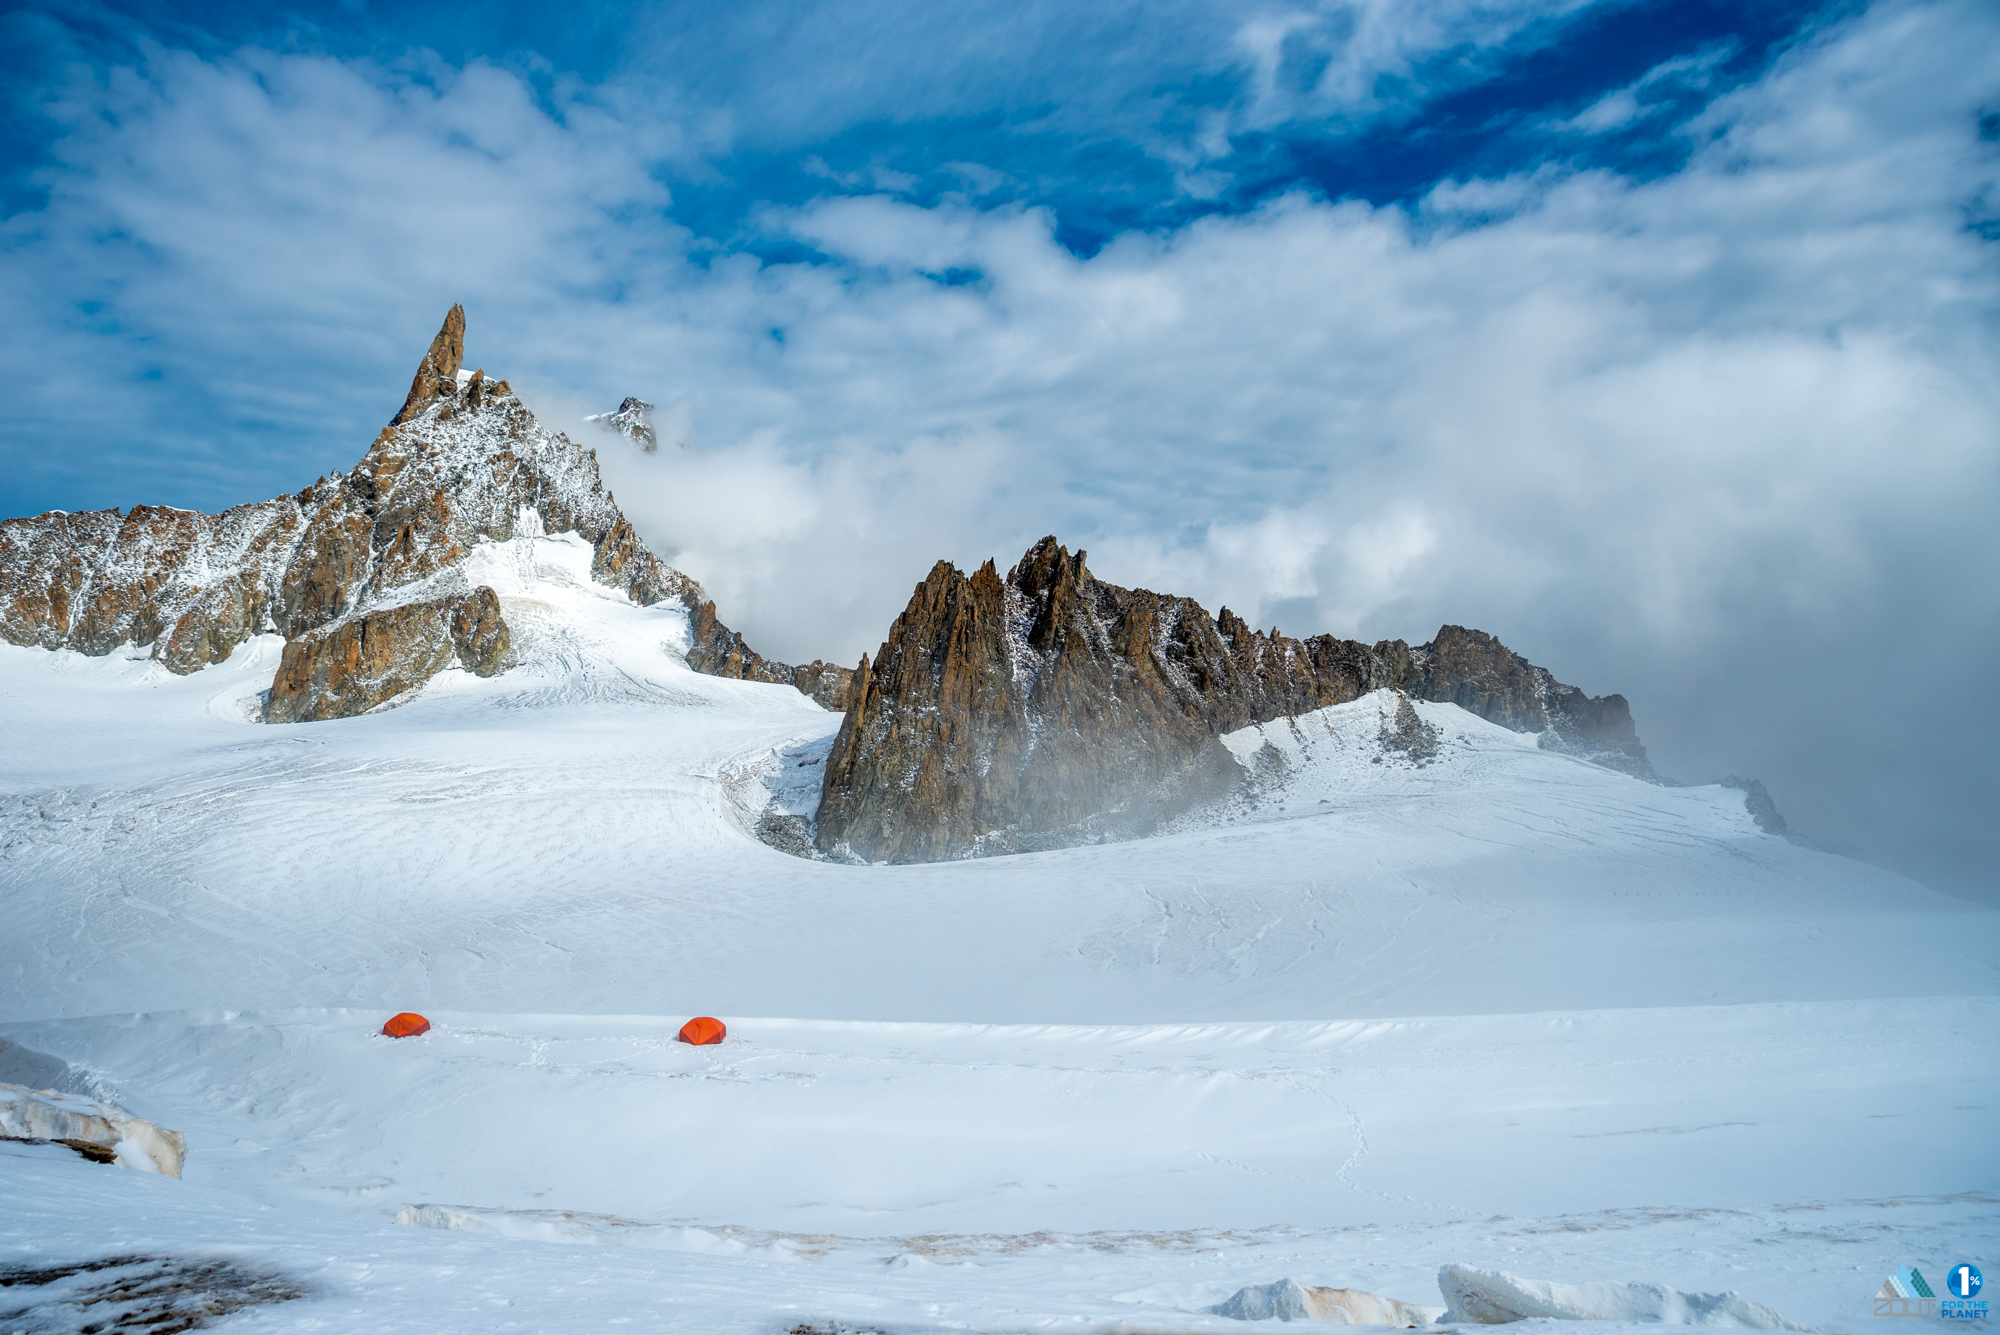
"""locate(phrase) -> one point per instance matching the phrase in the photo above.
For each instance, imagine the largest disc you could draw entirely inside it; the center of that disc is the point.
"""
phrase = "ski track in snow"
(1507, 1009)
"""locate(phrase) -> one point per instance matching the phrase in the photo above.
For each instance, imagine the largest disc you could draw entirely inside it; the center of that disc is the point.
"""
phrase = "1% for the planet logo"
(1962, 1302)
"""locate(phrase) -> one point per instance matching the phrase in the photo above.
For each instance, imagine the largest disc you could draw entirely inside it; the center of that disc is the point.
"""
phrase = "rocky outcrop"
(193, 586)
(1471, 669)
(366, 661)
(1757, 801)
(720, 652)
(1410, 737)
(437, 374)
(361, 572)
(1050, 708)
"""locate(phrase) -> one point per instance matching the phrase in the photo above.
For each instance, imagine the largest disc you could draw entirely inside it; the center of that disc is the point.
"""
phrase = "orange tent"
(407, 1025)
(703, 1029)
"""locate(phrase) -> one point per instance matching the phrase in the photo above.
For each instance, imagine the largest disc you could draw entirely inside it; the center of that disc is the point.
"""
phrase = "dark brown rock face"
(1009, 715)
(1471, 669)
(1050, 708)
(362, 572)
(478, 636)
(194, 586)
(437, 374)
(366, 661)
(720, 652)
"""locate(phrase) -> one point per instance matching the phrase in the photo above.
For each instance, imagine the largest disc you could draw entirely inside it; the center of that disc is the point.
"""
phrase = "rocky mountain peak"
(362, 572)
(437, 374)
(1049, 707)
(633, 420)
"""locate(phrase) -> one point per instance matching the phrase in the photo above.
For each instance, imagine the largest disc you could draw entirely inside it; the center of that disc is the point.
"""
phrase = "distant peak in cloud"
(633, 420)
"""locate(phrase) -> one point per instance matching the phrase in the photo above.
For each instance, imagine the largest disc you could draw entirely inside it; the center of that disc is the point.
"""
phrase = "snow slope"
(570, 836)
(1011, 1178)
(809, 1127)
(1506, 1009)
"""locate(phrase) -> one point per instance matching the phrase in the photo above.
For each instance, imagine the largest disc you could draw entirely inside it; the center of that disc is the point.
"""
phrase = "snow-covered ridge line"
(361, 572)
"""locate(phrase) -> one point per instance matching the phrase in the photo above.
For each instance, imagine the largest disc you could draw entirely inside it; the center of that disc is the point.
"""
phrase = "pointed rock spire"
(364, 573)
(438, 373)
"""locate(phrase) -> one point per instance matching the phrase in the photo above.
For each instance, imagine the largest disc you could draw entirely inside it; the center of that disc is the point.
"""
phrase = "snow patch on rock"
(1289, 1300)
(44, 1114)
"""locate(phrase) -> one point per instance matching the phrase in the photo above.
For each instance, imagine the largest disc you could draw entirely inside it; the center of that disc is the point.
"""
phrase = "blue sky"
(1107, 115)
(714, 125)
(1658, 339)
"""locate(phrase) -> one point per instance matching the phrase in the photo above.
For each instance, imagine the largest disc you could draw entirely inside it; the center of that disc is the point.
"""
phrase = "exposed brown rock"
(192, 585)
(364, 662)
(326, 570)
(1050, 708)
(1044, 709)
(460, 464)
(437, 374)
(1471, 669)
(719, 651)
(825, 682)
(354, 665)
(95, 1153)
(478, 636)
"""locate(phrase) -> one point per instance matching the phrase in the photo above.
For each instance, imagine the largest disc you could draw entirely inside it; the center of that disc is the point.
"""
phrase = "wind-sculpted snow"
(339, 568)
(1288, 1300)
(1489, 1297)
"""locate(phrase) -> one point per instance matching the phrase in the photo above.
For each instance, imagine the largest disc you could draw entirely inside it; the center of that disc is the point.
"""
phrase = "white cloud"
(1623, 107)
(1354, 49)
(1179, 77)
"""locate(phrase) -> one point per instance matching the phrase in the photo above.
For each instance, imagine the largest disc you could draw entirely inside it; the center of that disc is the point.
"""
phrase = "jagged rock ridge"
(1049, 708)
(361, 572)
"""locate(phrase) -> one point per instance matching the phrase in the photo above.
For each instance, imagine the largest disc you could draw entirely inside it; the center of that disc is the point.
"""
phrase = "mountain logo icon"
(1905, 1283)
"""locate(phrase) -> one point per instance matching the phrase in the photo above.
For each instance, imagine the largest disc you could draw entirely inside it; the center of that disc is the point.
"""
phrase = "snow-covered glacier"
(1379, 1011)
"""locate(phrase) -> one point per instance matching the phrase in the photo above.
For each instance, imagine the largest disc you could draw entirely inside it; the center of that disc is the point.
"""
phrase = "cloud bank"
(1725, 439)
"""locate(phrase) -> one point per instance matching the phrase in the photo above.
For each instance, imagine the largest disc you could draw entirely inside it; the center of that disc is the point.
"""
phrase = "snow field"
(571, 837)
(937, 1174)
(1508, 1010)
(872, 1130)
